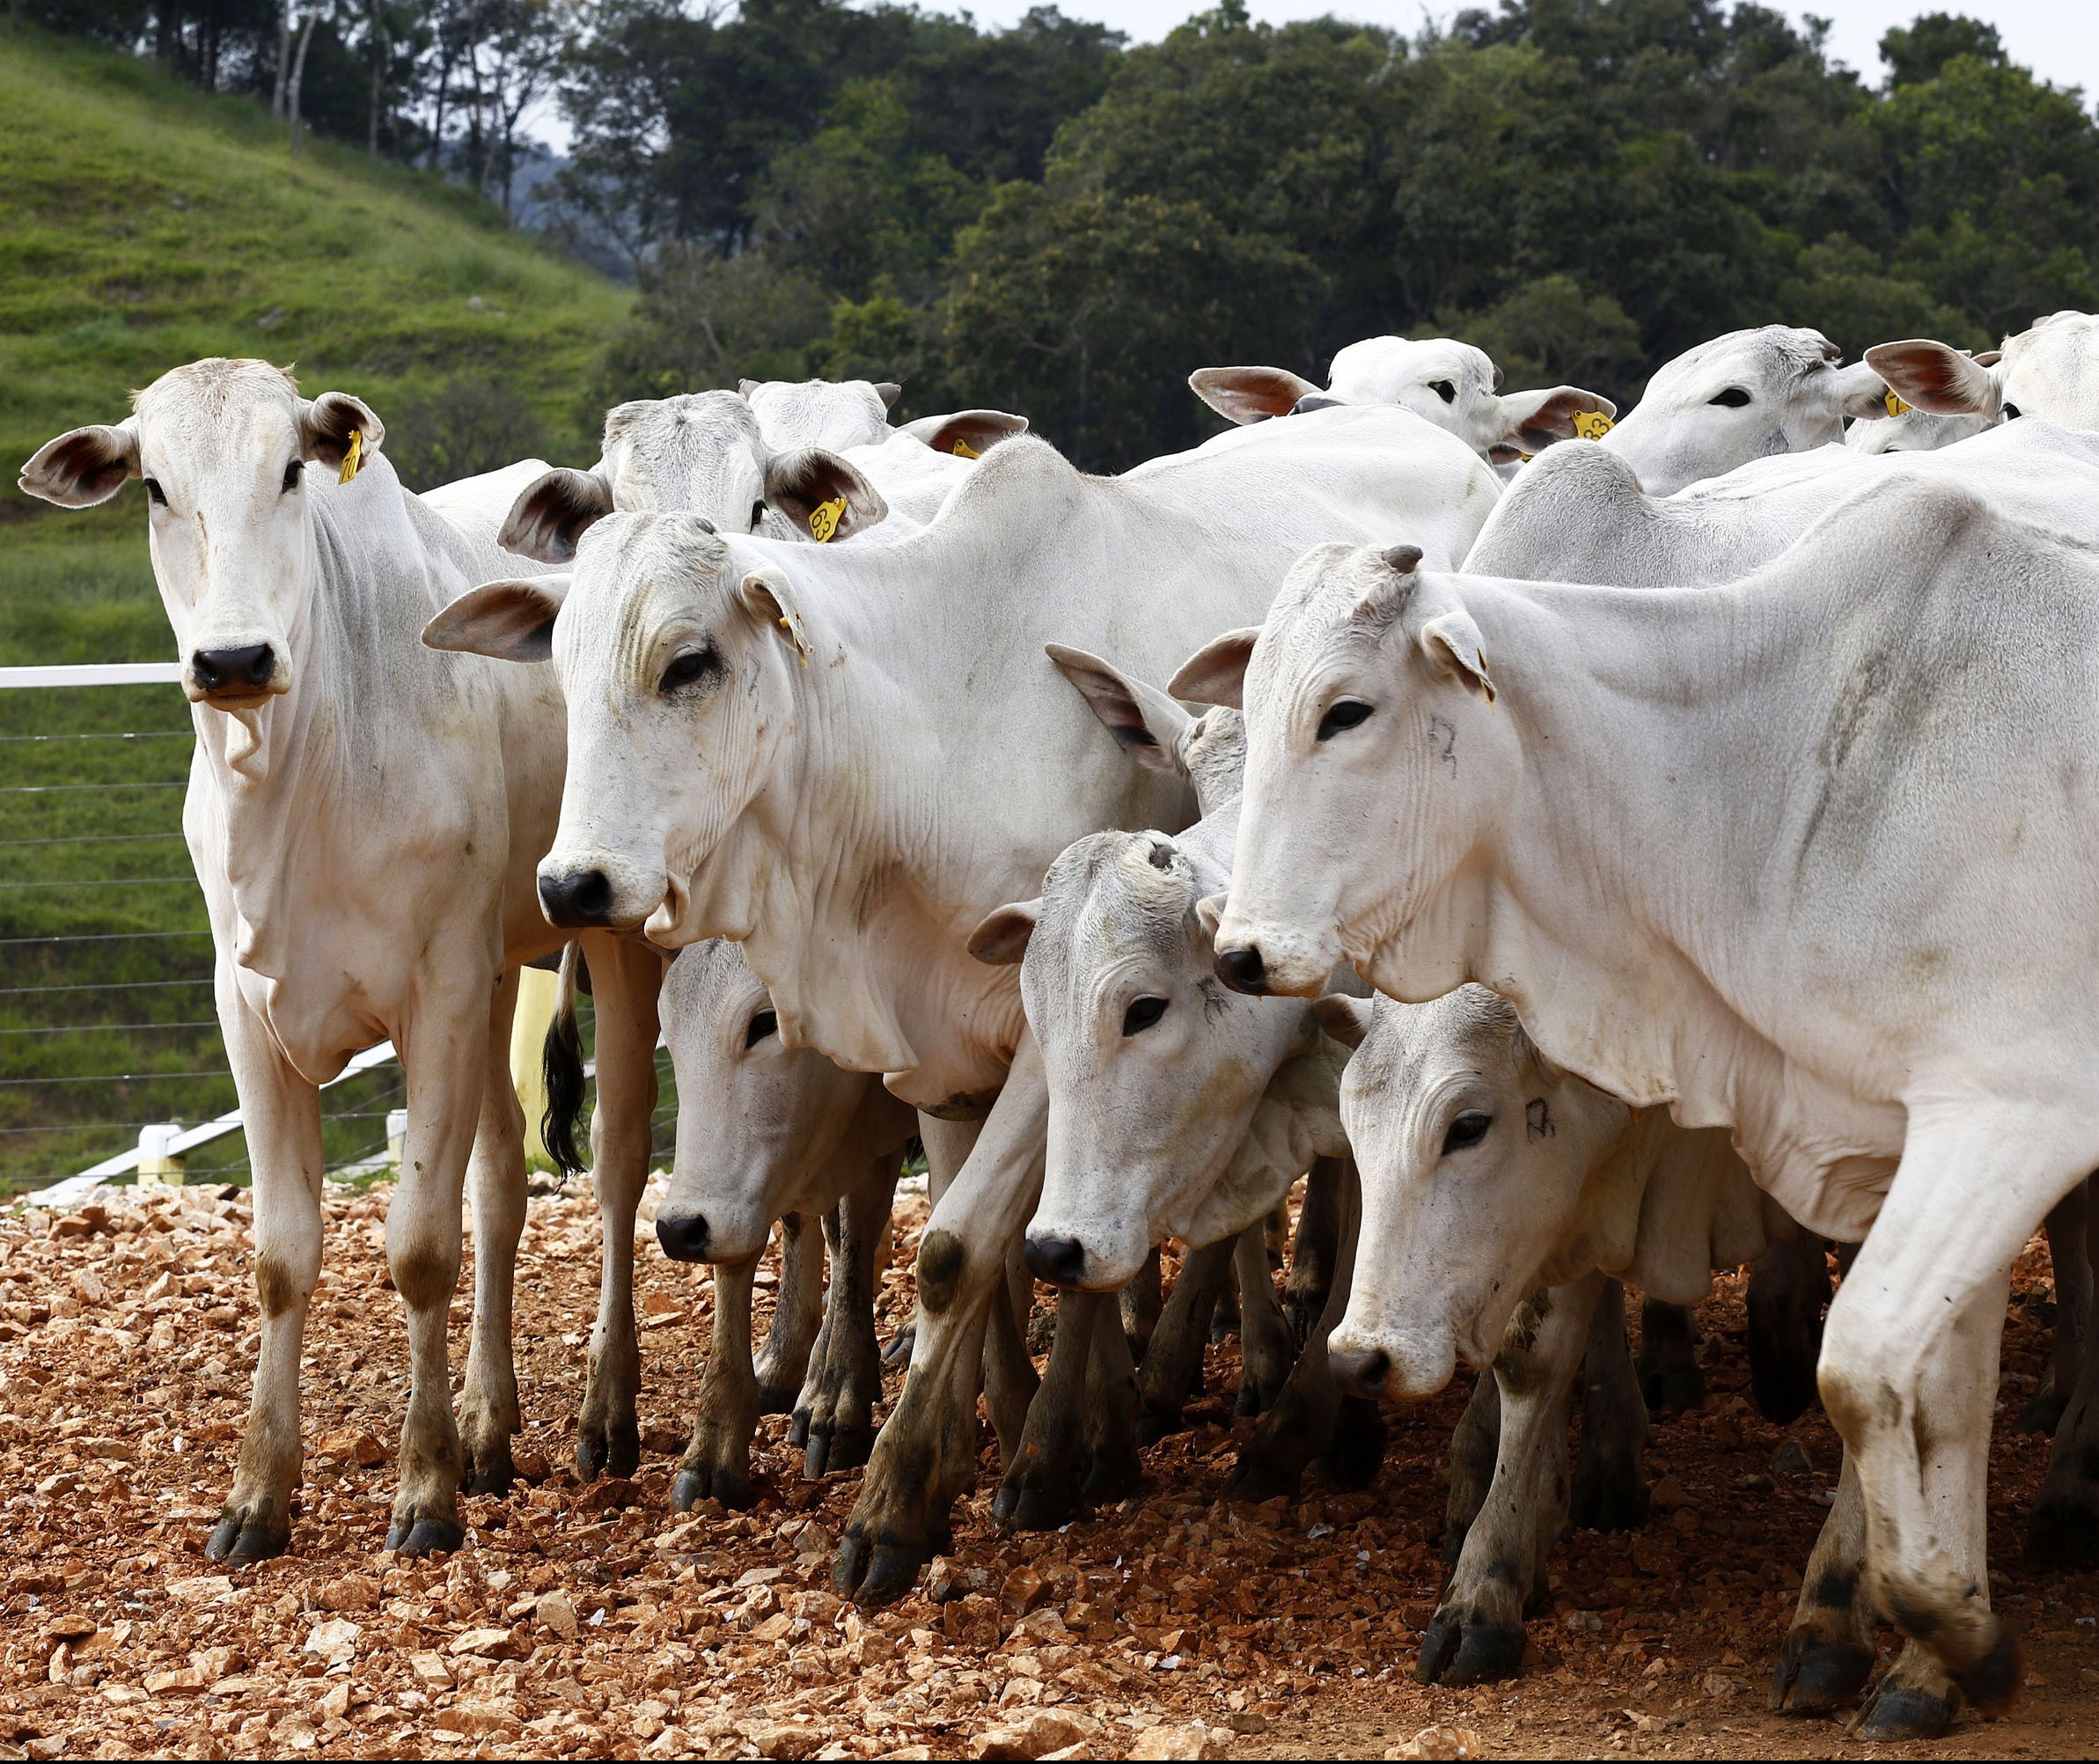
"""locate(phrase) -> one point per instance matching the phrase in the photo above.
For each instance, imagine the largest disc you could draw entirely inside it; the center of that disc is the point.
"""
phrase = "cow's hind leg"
(1142, 1300)
(2064, 1531)
(1828, 1654)
(1268, 1349)
(2070, 1272)
(626, 977)
(1042, 1487)
(1610, 1478)
(1310, 1278)
(1668, 1363)
(797, 1317)
(1173, 1363)
(717, 1464)
(1477, 1634)
(488, 1411)
(282, 1111)
(1789, 1288)
(836, 1417)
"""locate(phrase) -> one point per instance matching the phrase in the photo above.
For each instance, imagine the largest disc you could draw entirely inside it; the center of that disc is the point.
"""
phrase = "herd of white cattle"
(1603, 851)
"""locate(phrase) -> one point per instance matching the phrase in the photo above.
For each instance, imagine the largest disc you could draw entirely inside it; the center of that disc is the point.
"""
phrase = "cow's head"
(1376, 764)
(1479, 1162)
(227, 450)
(1912, 428)
(1452, 385)
(682, 661)
(2050, 370)
(758, 1121)
(704, 453)
(837, 414)
(1744, 396)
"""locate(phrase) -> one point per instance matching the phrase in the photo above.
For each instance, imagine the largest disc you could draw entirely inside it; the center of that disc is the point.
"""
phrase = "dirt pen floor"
(590, 1622)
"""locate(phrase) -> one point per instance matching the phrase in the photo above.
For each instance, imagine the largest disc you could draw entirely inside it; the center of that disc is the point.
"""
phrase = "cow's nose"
(1243, 971)
(581, 897)
(682, 1235)
(1060, 1261)
(1361, 1372)
(241, 670)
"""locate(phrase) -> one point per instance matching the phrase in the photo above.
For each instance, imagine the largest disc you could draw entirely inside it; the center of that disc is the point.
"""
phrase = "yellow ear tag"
(824, 519)
(354, 458)
(1592, 426)
(964, 450)
(794, 632)
(1896, 406)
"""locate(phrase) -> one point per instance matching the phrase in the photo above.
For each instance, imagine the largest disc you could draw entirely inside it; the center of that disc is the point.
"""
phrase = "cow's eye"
(291, 475)
(758, 515)
(1444, 390)
(765, 1022)
(694, 667)
(158, 495)
(1734, 397)
(1345, 714)
(1468, 1129)
(2011, 412)
(1142, 1013)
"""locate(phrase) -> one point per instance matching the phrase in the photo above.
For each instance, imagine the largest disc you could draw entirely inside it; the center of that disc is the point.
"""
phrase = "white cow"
(896, 758)
(1452, 385)
(1739, 850)
(2051, 370)
(1907, 429)
(365, 820)
(1744, 396)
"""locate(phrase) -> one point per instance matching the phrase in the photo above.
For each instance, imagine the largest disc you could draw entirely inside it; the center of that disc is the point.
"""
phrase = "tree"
(1917, 52)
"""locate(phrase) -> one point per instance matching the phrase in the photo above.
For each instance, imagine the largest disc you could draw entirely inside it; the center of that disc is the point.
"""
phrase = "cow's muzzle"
(577, 898)
(1062, 1261)
(1243, 970)
(234, 675)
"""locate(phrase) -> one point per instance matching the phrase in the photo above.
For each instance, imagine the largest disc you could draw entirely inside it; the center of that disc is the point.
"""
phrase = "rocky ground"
(589, 1621)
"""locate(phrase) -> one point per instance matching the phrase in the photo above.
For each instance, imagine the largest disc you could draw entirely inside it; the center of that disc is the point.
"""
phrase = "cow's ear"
(965, 432)
(1348, 1020)
(1216, 673)
(1249, 394)
(1146, 724)
(746, 387)
(1936, 378)
(553, 512)
(1453, 647)
(1209, 914)
(808, 486)
(767, 599)
(1532, 421)
(889, 392)
(509, 620)
(84, 467)
(327, 423)
(1002, 939)
(1861, 393)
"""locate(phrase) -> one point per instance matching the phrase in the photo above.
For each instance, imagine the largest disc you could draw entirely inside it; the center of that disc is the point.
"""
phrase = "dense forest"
(1050, 219)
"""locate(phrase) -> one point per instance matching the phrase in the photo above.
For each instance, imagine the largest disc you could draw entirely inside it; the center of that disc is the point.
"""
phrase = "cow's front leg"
(1789, 1288)
(1909, 1367)
(488, 1411)
(926, 1453)
(1113, 1468)
(1610, 1478)
(1267, 1348)
(836, 1415)
(1477, 1634)
(1670, 1377)
(282, 1111)
(1142, 1300)
(445, 1056)
(1041, 1488)
(626, 976)
(2070, 1272)
(1173, 1368)
(1474, 1447)
(1827, 1653)
(797, 1316)
(1310, 1279)
(717, 1464)
(2064, 1531)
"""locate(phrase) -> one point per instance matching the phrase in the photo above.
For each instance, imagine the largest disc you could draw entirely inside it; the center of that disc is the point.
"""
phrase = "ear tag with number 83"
(824, 519)
(1592, 426)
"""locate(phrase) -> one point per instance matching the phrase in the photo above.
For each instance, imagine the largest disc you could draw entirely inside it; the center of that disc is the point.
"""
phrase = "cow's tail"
(562, 1062)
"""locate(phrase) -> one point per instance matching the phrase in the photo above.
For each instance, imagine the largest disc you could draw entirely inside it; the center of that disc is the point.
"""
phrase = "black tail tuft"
(562, 1063)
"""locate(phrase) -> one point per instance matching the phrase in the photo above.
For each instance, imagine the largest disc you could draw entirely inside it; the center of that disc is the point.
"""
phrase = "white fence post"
(160, 1164)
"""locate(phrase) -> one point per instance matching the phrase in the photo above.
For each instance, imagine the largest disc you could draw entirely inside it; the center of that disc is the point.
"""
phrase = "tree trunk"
(379, 66)
(277, 93)
(298, 74)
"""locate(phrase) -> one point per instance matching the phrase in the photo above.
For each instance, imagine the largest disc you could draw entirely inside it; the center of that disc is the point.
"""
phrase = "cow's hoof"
(2063, 1533)
(250, 1536)
(2042, 1413)
(1673, 1385)
(875, 1574)
(1154, 1424)
(1454, 1542)
(1457, 1653)
(490, 1472)
(778, 1399)
(797, 1428)
(1256, 1398)
(1039, 1493)
(898, 1353)
(425, 1535)
(1359, 1441)
(1992, 1682)
(839, 1446)
(1111, 1475)
(1897, 1712)
(608, 1452)
(698, 1482)
(1262, 1473)
(1814, 1676)
(1781, 1383)
(1610, 1494)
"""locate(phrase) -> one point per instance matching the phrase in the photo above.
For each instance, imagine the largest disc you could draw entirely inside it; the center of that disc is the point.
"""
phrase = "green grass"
(143, 224)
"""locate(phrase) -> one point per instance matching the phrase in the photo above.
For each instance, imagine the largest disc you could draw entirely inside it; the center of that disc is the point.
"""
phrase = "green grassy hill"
(143, 224)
